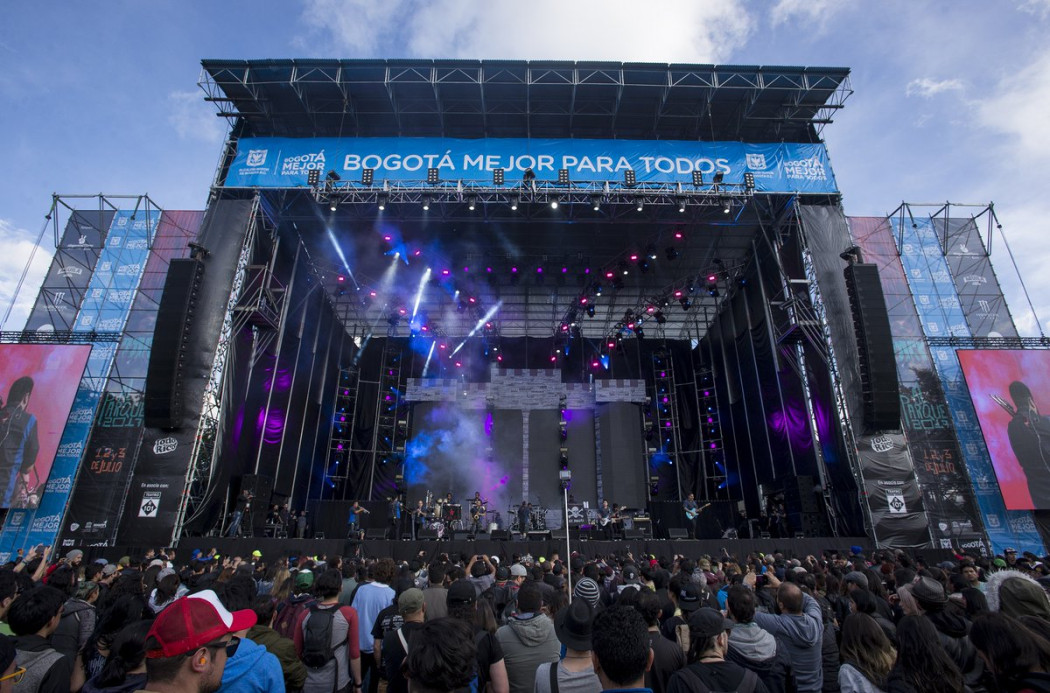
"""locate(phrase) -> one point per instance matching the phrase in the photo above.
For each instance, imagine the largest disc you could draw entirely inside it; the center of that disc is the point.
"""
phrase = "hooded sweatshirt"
(1015, 594)
(755, 649)
(802, 636)
(252, 668)
(528, 640)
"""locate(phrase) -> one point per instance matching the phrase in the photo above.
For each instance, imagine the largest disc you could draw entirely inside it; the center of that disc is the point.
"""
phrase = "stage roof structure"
(516, 98)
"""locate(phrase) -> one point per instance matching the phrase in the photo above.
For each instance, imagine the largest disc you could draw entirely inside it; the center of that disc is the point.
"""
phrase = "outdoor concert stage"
(555, 283)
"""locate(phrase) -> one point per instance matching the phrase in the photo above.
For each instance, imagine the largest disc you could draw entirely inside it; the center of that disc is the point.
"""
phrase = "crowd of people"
(844, 621)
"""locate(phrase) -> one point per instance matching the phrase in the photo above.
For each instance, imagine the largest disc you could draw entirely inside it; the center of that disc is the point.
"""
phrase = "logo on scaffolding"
(756, 162)
(895, 500)
(150, 504)
(881, 443)
(165, 445)
(256, 157)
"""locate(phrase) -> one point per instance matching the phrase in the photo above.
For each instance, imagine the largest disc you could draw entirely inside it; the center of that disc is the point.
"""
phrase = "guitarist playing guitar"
(692, 512)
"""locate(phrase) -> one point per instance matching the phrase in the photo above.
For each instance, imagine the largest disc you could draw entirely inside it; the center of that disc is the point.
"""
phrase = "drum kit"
(444, 517)
(537, 521)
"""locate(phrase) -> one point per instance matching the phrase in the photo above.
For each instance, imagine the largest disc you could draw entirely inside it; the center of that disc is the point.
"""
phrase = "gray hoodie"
(527, 643)
(802, 635)
(751, 642)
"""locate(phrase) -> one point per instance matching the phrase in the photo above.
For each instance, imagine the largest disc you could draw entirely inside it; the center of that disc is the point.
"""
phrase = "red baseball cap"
(193, 621)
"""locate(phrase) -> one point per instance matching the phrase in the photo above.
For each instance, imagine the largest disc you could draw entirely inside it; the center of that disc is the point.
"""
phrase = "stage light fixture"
(640, 205)
(563, 176)
(684, 300)
(622, 266)
(630, 179)
(313, 178)
(671, 253)
(367, 176)
(472, 202)
(332, 176)
(381, 200)
(432, 176)
(597, 289)
(497, 176)
(644, 266)
(426, 203)
(711, 285)
(639, 332)
(698, 178)
(333, 205)
(590, 311)
(596, 202)
(554, 202)
(719, 177)
(749, 182)
(514, 202)
(681, 206)
(727, 205)
(659, 317)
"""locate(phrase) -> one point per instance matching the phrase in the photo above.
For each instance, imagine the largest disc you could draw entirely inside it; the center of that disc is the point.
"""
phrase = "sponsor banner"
(95, 314)
(892, 494)
(91, 517)
(286, 162)
(153, 499)
(927, 265)
(980, 296)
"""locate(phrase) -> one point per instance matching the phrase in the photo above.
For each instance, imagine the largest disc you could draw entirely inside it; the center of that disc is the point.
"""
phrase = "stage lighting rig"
(563, 176)
(630, 178)
(426, 203)
(333, 205)
(851, 254)
(698, 178)
(198, 251)
(333, 177)
(472, 202)
(514, 202)
(749, 182)
(659, 317)
(497, 176)
(727, 205)
(640, 204)
(596, 202)
(681, 206)
(432, 176)
(313, 178)
(381, 199)
(368, 176)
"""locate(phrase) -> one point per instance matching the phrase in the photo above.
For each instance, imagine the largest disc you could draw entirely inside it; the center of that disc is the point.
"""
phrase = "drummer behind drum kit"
(537, 520)
(444, 518)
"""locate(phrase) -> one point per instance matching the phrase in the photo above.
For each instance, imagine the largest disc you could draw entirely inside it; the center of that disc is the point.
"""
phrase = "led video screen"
(37, 385)
(1010, 390)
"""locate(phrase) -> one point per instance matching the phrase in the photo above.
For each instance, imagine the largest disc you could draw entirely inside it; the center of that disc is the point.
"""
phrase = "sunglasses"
(230, 646)
(15, 676)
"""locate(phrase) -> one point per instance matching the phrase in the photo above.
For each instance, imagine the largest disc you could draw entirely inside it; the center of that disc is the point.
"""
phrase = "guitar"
(691, 514)
(615, 517)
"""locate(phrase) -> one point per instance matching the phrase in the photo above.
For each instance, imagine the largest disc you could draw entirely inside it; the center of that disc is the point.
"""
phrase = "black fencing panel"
(623, 468)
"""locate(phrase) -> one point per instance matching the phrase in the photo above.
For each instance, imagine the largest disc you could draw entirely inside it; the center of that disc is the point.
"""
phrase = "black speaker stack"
(877, 365)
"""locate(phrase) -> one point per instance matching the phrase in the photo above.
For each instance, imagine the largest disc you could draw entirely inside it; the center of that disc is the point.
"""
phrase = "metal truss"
(358, 98)
(203, 454)
(593, 194)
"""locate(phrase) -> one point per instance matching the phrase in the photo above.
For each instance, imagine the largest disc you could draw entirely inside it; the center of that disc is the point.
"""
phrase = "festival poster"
(37, 385)
(1009, 391)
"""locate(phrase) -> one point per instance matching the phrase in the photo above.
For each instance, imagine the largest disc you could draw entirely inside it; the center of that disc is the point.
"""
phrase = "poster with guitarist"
(692, 513)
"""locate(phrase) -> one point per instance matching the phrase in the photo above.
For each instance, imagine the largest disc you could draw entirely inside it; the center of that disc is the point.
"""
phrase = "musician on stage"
(419, 518)
(353, 521)
(692, 515)
(606, 519)
(477, 515)
(523, 517)
(242, 506)
(394, 513)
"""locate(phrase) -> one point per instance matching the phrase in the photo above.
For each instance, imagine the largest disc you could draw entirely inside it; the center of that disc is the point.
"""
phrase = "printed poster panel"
(1009, 391)
(38, 383)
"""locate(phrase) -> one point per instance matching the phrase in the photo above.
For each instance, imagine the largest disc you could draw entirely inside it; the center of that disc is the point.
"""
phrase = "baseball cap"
(502, 573)
(193, 621)
(411, 601)
(164, 572)
(461, 592)
(630, 573)
(689, 597)
(518, 570)
(257, 553)
(706, 622)
(1009, 549)
(109, 569)
(304, 579)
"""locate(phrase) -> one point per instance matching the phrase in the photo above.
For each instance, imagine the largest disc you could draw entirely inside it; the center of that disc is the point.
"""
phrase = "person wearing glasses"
(33, 617)
(190, 642)
(10, 672)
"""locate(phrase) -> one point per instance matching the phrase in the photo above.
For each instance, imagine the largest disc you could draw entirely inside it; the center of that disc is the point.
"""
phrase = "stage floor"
(508, 550)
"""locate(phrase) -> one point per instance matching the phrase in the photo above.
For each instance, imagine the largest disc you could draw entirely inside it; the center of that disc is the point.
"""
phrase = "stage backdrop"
(1009, 393)
(32, 432)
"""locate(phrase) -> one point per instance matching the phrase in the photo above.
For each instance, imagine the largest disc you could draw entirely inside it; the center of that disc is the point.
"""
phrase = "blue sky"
(950, 98)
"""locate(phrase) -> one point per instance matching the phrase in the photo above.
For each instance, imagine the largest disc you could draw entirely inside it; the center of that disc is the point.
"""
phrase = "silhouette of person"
(19, 444)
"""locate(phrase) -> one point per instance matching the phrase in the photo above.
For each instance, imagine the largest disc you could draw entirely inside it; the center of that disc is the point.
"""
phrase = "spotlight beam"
(481, 323)
(342, 257)
(430, 353)
(419, 292)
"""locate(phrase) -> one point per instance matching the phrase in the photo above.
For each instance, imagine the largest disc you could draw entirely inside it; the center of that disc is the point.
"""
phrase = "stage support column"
(524, 453)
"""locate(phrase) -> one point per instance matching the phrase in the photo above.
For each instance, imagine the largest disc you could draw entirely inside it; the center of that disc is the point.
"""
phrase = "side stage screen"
(1010, 390)
(37, 385)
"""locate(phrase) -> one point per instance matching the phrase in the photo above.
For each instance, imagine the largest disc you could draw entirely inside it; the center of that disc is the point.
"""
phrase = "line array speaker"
(163, 399)
(878, 367)
(373, 534)
(677, 533)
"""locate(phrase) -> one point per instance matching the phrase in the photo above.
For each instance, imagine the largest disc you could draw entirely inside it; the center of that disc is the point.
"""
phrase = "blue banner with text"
(286, 162)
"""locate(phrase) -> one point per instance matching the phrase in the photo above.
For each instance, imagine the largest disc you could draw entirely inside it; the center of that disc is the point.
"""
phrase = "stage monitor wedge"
(163, 399)
(877, 363)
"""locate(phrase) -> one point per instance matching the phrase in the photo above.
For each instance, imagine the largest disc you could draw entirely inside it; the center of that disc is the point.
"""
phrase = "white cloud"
(926, 87)
(808, 12)
(1040, 8)
(193, 118)
(1017, 109)
(682, 31)
(16, 247)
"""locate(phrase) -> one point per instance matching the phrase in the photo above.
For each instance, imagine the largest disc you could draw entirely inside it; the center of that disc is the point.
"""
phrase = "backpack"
(66, 638)
(288, 615)
(317, 637)
(747, 684)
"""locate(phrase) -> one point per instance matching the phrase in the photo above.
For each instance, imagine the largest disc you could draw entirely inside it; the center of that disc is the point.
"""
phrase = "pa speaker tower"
(878, 367)
(163, 401)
